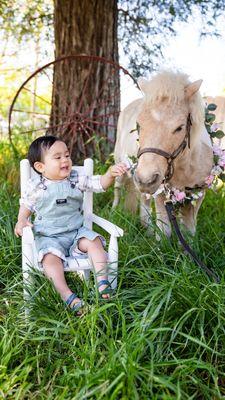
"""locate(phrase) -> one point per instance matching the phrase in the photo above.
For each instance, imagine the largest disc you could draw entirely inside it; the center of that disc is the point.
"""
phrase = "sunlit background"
(201, 57)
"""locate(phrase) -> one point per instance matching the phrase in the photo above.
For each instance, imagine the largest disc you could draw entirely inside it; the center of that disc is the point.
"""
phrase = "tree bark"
(85, 89)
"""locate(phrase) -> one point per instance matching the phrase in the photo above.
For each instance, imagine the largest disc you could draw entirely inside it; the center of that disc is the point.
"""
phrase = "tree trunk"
(85, 94)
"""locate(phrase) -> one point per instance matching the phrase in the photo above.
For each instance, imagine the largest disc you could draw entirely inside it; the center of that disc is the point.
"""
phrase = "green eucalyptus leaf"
(133, 159)
(210, 118)
(208, 128)
(219, 134)
(222, 177)
(211, 107)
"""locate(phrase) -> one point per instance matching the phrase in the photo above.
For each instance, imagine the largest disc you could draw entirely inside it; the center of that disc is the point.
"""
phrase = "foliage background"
(162, 336)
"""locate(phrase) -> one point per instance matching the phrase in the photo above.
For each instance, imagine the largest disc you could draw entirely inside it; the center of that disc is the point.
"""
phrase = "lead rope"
(171, 215)
(187, 248)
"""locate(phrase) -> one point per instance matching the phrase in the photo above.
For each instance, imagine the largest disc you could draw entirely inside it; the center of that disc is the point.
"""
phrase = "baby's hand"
(118, 169)
(22, 223)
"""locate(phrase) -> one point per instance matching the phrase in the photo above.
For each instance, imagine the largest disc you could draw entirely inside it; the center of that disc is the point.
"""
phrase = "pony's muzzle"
(148, 184)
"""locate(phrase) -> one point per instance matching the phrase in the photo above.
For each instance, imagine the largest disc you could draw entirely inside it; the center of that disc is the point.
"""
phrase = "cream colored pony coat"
(162, 116)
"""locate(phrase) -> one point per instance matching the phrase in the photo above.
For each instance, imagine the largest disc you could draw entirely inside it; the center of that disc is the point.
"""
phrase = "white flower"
(127, 160)
(216, 170)
(197, 195)
(158, 191)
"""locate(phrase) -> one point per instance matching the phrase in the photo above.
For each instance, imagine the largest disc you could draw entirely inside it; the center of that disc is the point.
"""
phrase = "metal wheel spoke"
(93, 105)
(39, 97)
(30, 112)
(46, 74)
(85, 88)
(91, 111)
(99, 123)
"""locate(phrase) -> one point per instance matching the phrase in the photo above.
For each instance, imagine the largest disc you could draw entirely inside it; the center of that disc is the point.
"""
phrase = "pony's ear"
(143, 84)
(192, 88)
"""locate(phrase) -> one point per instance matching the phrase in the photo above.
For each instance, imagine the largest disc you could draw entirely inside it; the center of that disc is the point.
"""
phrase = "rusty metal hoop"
(85, 123)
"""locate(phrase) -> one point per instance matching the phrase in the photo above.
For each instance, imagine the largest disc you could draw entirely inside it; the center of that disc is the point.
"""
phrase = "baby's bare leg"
(97, 254)
(53, 268)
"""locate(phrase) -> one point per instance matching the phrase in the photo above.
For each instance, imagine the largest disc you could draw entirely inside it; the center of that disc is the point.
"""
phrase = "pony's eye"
(179, 128)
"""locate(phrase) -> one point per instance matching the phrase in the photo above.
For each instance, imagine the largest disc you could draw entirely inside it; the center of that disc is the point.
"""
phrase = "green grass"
(162, 335)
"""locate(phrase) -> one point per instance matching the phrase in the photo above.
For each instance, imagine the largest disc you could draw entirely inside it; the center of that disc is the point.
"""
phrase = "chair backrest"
(26, 172)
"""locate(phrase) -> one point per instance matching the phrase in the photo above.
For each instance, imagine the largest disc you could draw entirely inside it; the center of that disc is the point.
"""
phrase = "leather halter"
(170, 156)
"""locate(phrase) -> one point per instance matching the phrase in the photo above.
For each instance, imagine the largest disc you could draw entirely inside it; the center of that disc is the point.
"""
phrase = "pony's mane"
(171, 85)
(167, 84)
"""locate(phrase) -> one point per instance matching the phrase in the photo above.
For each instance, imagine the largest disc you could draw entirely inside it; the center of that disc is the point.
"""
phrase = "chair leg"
(26, 294)
(27, 261)
(113, 261)
(84, 274)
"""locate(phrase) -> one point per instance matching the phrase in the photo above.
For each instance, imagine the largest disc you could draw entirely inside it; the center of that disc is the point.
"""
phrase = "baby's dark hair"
(38, 146)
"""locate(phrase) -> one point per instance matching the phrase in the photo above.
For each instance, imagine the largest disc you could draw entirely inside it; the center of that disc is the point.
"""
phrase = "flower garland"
(217, 174)
(212, 181)
(179, 197)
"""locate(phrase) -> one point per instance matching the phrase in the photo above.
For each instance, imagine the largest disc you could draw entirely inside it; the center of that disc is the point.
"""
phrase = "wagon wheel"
(82, 111)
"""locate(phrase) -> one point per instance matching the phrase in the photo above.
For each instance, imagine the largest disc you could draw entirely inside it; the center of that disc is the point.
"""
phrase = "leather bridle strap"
(153, 150)
(170, 156)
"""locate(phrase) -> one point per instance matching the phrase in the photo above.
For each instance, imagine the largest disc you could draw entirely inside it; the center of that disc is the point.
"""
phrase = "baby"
(55, 197)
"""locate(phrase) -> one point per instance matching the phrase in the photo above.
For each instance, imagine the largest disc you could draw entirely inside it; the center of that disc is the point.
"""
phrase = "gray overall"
(58, 220)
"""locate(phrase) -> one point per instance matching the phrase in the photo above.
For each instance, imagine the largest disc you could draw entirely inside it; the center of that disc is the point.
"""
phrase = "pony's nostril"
(153, 180)
(147, 181)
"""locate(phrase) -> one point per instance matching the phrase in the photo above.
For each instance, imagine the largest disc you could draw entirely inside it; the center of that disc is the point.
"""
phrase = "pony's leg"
(162, 220)
(189, 215)
(145, 212)
(131, 196)
(117, 190)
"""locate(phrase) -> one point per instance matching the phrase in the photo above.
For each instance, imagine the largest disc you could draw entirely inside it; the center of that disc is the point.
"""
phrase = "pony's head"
(170, 100)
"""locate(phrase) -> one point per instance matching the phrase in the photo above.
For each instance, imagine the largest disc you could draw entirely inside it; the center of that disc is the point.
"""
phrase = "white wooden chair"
(82, 266)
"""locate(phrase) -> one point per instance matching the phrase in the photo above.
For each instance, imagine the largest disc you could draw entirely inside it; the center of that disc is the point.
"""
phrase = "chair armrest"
(109, 227)
(28, 236)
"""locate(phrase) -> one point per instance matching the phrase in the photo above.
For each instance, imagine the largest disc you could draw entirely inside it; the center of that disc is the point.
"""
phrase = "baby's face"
(56, 163)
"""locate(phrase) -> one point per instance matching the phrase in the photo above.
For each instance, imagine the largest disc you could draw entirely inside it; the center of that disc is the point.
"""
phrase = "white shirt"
(34, 190)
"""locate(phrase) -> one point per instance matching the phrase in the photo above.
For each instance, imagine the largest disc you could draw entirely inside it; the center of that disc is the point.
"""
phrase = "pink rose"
(180, 195)
(209, 180)
(221, 161)
(217, 150)
(215, 126)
